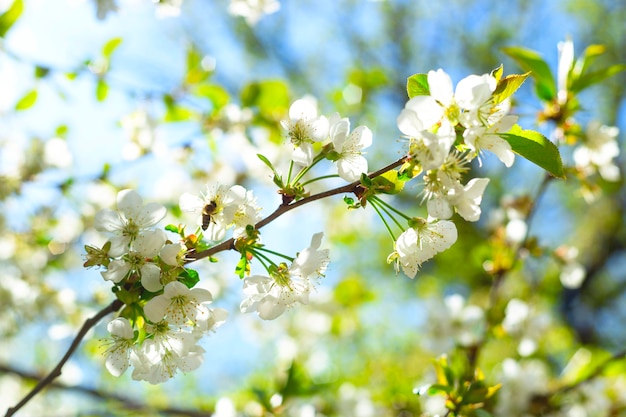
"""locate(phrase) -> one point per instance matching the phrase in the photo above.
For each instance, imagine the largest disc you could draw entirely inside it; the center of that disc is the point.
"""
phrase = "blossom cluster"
(159, 329)
(446, 130)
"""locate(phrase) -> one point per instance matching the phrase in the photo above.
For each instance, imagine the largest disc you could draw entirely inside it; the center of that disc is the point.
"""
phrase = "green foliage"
(102, 89)
(110, 47)
(531, 61)
(27, 100)
(536, 148)
(189, 277)
(507, 86)
(417, 85)
(8, 18)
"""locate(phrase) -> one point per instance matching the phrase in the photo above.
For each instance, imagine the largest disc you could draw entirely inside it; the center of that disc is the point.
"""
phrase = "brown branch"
(226, 245)
(56, 372)
(284, 208)
(127, 403)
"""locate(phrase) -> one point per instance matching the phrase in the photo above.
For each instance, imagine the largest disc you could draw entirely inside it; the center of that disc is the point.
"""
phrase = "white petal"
(190, 202)
(201, 295)
(151, 277)
(474, 90)
(339, 133)
(107, 220)
(500, 147)
(175, 289)
(120, 327)
(439, 208)
(351, 167)
(129, 203)
(269, 308)
(303, 154)
(151, 214)
(155, 308)
(440, 86)
(117, 362)
(149, 243)
(443, 234)
(319, 129)
(304, 108)
(116, 271)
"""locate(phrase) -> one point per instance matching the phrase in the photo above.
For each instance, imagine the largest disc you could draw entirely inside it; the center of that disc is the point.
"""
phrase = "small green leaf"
(497, 73)
(529, 60)
(417, 85)
(41, 72)
(189, 277)
(110, 47)
(586, 59)
(102, 89)
(586, 80)
(507, 86)
(176, 113)
(536, 148)
(8, 18)
(216, 94)
(243, 266)
(27, 100)
(172, 228)
(61, 131)
(388, 183)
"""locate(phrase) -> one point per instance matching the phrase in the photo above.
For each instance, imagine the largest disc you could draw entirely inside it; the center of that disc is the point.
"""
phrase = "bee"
(207, 213)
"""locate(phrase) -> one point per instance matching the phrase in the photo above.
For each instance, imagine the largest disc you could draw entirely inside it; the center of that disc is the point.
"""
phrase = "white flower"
(130, 221)
(566, 60)
(305, 127)
(598, 151)
(470, 103)
(137, 261)
(479, 137)
(248, 213)
(119, 352)
(179, 304)
(253, 10)
(216, 210)
(421, 242)
(164, 352)
(172, 254)
(271, 296)
(351, 163)
(465, 199)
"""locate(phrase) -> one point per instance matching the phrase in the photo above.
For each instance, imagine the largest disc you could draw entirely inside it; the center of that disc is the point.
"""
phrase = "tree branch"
(56, 372)
(284, 208)
(226, 245)
(126, 402)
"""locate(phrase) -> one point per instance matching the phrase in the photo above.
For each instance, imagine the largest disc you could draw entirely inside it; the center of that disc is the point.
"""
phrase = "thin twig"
(283, 208)
(56, 372)
(126, 402)
(226, 245)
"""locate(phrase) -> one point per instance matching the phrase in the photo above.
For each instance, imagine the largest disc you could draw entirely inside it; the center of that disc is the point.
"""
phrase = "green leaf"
(417, 85)
(497, 73)
(388, 183)
(110, 47)
(189, 277)
(27, 100)
(536, 148)
(216, 94)
(8, 18)
(102, 89)
(529, 60)
(586, 80)
(172, 228)
(586, 59)
(507, 86)
(243, 266)
(176, 113)
(270, 96)
(41, 72)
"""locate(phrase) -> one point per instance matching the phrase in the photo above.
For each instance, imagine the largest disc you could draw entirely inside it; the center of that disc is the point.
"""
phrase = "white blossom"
(216, 209)
(119, 351)
(351, 162)
(179, 304)
(287, 286)
(305, 127)
(253, 10)
(420, 243)
(598, 151)
(129, 222)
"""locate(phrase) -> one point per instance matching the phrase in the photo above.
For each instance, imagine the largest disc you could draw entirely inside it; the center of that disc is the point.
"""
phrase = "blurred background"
(165, 97)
